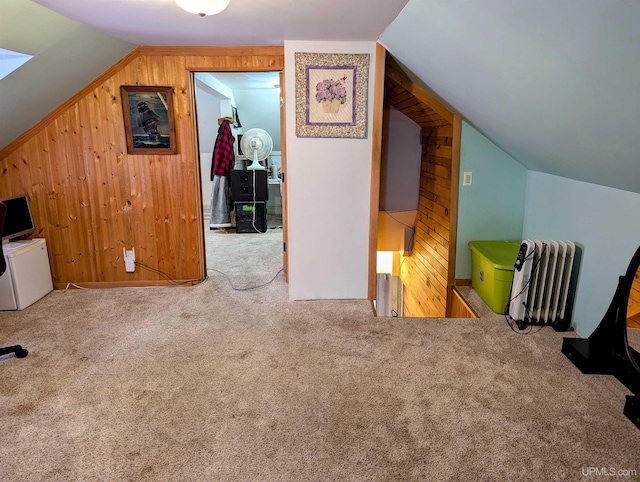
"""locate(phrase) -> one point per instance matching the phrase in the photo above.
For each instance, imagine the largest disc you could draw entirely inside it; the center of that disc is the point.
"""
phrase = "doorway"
(249, 100)
(422, 235)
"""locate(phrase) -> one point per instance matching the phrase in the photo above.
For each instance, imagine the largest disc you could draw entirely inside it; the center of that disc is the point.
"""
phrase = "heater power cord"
(528, 320)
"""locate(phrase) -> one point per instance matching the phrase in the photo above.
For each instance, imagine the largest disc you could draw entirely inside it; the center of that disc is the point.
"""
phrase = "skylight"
(10, 61)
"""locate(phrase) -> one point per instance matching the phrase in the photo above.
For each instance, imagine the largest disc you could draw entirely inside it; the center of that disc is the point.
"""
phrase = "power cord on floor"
(249, 287)
(66, 288)
(169, 278)
(142, 265)
(510, 321)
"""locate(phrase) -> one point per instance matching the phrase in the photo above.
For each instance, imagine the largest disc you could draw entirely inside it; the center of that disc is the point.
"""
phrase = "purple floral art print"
(331, 95)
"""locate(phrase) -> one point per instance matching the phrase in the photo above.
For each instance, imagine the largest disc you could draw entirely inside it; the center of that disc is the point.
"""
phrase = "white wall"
(602, 219)
(260, 108)
(256, 108)
(208, 111)
(328, 196)
(400, 167)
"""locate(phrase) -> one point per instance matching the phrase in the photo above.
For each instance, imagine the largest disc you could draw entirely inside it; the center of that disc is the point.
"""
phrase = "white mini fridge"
(28, 276)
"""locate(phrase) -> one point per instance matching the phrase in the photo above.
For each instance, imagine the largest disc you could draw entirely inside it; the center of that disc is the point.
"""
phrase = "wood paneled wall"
(459, 307)
(633, 306)
(428, 273)
(90, 199)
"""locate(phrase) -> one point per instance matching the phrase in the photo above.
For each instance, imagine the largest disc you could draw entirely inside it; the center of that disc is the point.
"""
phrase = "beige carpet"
(247, 259)
(207, 383)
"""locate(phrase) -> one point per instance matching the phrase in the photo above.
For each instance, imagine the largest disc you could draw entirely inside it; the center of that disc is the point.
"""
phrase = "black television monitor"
(18, 221)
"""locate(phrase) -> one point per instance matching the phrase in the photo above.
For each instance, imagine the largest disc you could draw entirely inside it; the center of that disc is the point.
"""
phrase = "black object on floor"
(251, 217)
(607, 350)
(17, 349)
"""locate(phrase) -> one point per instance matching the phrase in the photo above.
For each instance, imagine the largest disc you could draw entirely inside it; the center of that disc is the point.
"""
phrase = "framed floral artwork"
(331, 95)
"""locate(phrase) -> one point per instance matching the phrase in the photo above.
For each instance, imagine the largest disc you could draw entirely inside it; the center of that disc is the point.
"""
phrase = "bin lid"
(501, 254)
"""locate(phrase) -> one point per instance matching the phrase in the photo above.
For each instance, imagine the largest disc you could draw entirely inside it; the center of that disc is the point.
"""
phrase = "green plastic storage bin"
(492, 271)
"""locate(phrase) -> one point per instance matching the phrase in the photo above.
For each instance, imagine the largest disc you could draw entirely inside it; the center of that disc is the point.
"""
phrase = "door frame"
(384, 69)
(191, 71)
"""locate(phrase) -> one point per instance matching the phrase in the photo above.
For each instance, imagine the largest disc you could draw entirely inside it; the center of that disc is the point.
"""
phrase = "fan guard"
(256, 145)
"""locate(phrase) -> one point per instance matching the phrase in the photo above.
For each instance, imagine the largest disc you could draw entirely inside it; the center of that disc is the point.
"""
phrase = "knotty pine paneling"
(91, 199)
(427, 273)
(633, 307)
(459, 307)
(376, 163)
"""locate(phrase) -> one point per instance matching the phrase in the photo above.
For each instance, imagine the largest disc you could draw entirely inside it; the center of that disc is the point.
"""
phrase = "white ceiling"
(74, 41)
(248, 80)
(244, 22)
(553, 82)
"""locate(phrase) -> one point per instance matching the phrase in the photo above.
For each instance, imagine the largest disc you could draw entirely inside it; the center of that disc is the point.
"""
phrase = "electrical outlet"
(129, 260)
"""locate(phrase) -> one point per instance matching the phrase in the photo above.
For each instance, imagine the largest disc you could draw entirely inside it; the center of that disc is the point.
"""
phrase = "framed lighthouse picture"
(148, 119)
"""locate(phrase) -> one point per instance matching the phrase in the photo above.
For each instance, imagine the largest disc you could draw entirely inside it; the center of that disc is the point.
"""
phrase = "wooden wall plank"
(459, 307)
(429, 101)
(376, 161)
(428, 274)
(91, 199)
(633, 305)
(283, 160)
(453, 208)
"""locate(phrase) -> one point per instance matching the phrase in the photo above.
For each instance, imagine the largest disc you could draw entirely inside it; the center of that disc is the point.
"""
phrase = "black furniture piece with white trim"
(608, 351)
(17, 349)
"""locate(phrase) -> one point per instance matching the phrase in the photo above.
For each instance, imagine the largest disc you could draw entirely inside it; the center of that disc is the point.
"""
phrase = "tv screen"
(18, 221)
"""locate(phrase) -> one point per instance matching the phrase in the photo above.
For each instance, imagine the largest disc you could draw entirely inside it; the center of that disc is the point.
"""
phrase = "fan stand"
(255, 163)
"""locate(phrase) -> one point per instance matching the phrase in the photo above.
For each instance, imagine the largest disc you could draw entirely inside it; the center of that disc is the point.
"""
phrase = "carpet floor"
(212, 383)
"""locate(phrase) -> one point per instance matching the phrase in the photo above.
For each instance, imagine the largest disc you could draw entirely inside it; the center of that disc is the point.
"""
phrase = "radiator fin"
(543, 282)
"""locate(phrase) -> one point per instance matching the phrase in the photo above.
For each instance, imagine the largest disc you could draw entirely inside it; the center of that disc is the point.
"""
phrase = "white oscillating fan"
(256, 145)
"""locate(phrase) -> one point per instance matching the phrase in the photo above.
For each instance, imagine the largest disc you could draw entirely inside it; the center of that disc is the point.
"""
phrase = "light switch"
(467, 179)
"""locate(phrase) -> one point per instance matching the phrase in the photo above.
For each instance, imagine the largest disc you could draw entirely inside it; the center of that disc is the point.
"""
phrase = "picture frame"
(239, 144)
(331, 94)
(236, 120)
(149, 121)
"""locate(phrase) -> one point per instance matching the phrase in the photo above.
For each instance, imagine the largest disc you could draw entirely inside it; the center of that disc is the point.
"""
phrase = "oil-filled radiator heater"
(541, 283)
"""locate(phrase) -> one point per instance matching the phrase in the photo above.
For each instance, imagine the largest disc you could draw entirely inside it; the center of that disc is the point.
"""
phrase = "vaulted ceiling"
(554, 83)
(244, 22)
(66, 57)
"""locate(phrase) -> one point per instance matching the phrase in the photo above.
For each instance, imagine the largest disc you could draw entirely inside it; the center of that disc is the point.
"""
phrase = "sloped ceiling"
(74, 41)
(243, 22)
(554, 83)
(67, 57)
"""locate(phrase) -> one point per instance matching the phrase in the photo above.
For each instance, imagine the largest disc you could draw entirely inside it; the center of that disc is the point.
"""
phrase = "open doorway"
(249, 101)
(417, 218)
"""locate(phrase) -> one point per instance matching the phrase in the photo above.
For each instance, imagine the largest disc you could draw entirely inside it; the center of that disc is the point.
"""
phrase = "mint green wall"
(604, 220)
(493, 206)
(506, 201)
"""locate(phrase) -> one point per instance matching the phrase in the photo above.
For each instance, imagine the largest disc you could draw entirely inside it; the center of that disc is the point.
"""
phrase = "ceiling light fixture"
(203, 7)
